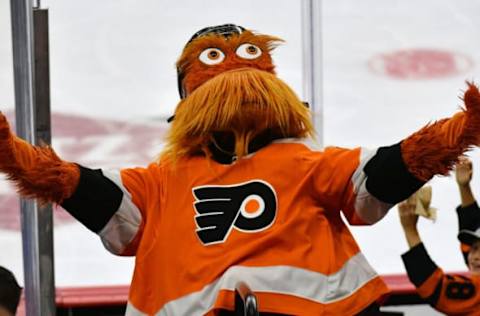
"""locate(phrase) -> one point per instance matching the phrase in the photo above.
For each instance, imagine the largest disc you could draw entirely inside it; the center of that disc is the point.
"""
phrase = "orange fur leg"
(36, 171)
(436, 147)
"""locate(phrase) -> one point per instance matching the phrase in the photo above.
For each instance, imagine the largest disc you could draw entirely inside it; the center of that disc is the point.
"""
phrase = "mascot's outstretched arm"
(435, 148)
(396, 172)
(93, 197)
(37, 171)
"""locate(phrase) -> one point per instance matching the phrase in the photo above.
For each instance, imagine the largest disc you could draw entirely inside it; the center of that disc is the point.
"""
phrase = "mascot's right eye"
(211, 56)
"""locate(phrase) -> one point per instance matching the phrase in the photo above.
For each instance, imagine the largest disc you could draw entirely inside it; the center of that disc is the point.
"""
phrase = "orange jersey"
(447, 293)
(271, 219)
(454, 294)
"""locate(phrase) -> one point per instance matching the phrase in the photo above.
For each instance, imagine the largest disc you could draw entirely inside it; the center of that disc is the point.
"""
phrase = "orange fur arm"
(36, 171)
(435, 148)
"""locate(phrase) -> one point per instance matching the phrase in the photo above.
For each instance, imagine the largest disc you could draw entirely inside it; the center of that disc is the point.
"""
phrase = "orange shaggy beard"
(245, 102)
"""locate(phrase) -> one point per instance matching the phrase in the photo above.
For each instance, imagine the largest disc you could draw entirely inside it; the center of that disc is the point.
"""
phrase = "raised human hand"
(409, 220)
(463, 171)
(408, 217)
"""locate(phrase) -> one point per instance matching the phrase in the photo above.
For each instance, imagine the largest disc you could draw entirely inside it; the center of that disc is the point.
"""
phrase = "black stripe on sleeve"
(95, 200)
(468, 217)
(387, 176)
(418, 264)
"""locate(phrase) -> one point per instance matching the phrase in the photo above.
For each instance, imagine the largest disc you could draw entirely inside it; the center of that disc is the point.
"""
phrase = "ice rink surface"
(389, 68)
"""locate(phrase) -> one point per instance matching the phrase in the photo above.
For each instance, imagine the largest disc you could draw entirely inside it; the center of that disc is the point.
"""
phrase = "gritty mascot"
(238, 194)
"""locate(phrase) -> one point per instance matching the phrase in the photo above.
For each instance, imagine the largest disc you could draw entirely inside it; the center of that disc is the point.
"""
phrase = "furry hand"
(435, 149)
(36, 171)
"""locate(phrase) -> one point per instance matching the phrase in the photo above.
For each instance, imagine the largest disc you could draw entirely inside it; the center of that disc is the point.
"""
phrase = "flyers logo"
(248, 207)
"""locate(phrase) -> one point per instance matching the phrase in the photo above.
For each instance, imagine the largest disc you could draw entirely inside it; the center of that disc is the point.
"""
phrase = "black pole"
(44, 136)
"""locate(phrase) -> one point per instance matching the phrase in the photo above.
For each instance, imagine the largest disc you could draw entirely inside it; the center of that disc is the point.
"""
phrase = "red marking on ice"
(420, 64)
(10, 213)
(93, 143)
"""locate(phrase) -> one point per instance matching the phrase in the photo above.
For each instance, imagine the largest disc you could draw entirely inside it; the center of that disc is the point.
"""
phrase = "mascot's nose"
(242, 69)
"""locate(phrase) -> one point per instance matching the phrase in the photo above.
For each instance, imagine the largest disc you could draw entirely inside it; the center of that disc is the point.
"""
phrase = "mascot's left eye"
(211, 56)
(248, 51)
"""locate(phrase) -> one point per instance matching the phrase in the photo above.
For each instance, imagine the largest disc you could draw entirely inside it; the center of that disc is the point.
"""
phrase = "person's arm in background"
(409, 221)
(463, 175)
(446, 293)
(468, 211)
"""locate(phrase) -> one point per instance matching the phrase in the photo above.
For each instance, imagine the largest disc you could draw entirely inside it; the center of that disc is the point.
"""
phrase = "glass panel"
(390, 68)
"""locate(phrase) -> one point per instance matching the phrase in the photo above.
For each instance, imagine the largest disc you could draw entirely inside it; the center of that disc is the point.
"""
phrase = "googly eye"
(211, 56)
(248, 51)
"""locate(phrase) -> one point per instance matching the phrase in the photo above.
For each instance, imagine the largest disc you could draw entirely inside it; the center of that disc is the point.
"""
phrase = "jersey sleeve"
(366, 183)
(143, 189)
(113, 205)
(450, 294)
(468, 219)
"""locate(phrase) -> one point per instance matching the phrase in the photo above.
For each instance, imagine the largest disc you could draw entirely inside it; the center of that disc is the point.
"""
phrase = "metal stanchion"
(44, 136)
(36, 223)
(312, 62)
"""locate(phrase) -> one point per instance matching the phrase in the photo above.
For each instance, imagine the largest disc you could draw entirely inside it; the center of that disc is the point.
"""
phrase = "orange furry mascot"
(239, 195)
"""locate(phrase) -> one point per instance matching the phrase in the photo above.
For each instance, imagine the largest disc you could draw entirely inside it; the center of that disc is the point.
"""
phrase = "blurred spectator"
(448, 293)
(10, 293)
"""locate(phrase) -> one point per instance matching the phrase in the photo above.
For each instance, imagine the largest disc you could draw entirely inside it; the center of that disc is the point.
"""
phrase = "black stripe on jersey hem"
(433, 299)
(418, 264)
(388, 178)
(95, 200)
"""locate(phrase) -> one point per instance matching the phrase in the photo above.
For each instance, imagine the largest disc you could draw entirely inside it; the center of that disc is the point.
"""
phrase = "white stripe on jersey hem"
(288, 280)
(367, 207)
(122, 228)
(132, 311)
